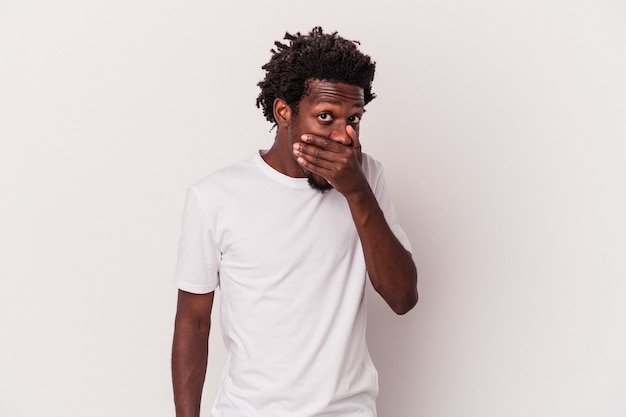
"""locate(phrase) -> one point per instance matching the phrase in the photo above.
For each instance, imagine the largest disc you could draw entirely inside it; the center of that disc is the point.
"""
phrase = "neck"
(280, 157)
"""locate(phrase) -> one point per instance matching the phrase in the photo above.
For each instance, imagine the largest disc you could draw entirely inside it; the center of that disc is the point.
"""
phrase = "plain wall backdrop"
(502, 127)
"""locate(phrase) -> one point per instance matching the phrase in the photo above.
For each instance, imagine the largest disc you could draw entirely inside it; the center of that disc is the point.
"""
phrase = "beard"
(321, 188)
(317, 183)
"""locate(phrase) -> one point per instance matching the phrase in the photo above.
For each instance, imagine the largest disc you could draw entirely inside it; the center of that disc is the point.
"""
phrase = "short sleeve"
(379, 188)
(197, 266)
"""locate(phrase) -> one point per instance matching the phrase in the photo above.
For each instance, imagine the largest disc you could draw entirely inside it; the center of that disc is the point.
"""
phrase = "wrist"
(360, 195)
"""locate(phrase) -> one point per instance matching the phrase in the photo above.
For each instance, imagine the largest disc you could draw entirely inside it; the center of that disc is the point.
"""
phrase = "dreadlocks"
(318, 55)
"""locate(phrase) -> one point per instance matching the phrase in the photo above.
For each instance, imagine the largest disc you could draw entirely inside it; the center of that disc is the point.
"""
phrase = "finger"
(353, 136)
(356, 143)
(315, 168)
(314, 154)
(324, 143)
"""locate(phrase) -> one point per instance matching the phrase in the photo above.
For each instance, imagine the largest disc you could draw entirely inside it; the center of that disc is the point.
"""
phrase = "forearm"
(189, 362)
(390, 266)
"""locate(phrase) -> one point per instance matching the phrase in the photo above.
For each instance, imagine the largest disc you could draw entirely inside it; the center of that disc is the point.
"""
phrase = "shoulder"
(226, 178)
(371, 167)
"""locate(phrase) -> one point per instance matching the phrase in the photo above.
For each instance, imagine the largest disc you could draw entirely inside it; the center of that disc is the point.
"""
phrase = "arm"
(390, 266)
(190, 351)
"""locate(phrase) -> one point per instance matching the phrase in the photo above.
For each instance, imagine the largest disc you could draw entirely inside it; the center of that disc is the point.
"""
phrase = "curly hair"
(318, 55)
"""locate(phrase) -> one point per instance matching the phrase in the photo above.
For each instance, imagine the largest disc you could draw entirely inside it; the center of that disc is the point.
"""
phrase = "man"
(290, 235)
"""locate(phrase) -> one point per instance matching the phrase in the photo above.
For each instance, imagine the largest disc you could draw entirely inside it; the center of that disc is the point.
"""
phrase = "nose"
(340, 134)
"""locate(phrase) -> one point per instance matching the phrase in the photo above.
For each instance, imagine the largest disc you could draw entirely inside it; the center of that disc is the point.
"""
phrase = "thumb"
(356, 143)
(353, 136)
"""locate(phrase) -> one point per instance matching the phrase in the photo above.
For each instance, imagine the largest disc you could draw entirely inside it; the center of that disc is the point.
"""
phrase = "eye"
(325, 117)
(354, 119)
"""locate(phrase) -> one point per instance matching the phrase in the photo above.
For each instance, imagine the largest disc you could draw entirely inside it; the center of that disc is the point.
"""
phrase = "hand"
(337, 160)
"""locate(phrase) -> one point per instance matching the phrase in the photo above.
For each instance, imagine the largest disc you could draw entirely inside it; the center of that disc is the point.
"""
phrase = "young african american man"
(290, 236)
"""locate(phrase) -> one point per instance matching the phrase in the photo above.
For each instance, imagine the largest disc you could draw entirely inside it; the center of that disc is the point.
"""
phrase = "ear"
(282, 112)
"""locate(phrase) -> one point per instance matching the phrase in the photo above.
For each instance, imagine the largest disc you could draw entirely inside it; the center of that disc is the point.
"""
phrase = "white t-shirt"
(291, 272)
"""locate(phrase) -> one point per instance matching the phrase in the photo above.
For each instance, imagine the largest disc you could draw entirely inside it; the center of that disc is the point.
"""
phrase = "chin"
(318, 184)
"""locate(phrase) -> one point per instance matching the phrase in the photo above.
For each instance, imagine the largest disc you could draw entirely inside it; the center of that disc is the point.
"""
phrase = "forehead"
(319, 91)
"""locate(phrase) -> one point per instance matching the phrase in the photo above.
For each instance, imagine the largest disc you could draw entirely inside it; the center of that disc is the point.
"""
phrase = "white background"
(502, 128)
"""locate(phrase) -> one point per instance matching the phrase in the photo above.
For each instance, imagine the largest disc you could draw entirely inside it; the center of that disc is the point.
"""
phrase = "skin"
(190, 350)
(320, 142)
